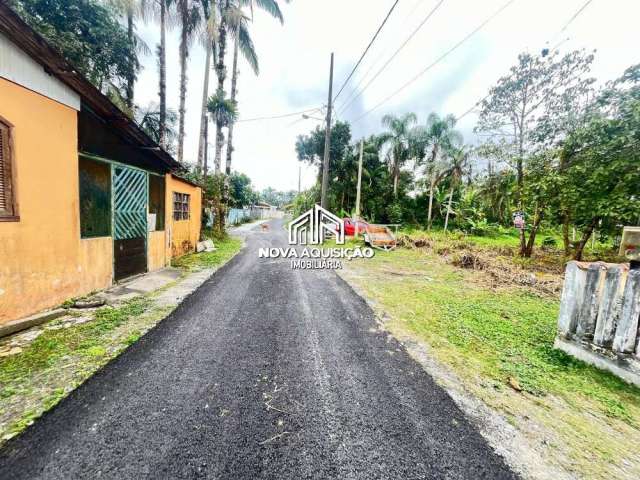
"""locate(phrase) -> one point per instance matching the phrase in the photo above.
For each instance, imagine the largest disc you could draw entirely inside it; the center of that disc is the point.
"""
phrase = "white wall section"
(18, 67)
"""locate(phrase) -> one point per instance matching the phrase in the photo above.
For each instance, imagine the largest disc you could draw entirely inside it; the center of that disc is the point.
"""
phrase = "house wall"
(157, 250)
(43, 261)
(183, 234)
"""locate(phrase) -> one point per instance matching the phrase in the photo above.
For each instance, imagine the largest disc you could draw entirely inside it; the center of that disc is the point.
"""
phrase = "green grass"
(502, 333)
(226, 248)
(489, 336)
(87, 339)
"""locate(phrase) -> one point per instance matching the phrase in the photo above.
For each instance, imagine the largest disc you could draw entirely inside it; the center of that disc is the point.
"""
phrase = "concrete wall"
(43, 261)
(183, 235)
(598, 320)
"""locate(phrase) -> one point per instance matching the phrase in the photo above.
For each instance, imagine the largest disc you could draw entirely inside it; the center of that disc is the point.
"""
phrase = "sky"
(294, 66)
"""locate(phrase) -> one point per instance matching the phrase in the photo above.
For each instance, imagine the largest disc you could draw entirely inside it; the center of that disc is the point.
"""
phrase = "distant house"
(86, 197)
(265, 206)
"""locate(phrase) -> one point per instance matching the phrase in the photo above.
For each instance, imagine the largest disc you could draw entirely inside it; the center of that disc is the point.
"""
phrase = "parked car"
(350, 227)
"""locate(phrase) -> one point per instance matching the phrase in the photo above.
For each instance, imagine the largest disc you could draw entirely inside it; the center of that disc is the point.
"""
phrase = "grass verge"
(500, 344)
(69, 350)
(226, 248)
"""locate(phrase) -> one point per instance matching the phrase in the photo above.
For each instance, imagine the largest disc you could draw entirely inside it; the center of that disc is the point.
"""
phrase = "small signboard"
(518, 220)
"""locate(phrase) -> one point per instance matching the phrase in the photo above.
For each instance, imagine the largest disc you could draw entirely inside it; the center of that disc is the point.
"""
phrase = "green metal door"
(130, 204)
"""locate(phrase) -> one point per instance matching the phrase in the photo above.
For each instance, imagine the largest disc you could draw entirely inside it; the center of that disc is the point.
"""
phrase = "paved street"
(263, 373)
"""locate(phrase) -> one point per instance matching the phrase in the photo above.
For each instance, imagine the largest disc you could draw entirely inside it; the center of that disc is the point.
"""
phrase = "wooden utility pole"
(327, 141)
(359, 184)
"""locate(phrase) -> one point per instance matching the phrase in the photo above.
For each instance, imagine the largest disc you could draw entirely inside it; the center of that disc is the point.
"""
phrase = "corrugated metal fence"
(236, 216)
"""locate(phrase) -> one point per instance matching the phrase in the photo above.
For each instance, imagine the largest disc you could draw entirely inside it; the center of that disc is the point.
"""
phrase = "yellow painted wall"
(183, 234)
(43, 261)
(157, 250)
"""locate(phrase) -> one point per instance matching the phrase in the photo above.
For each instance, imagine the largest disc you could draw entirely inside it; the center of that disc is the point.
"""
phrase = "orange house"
(86, 197)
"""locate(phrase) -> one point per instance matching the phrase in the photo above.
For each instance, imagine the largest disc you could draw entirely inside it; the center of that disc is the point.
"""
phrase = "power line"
(379, 57)
(566, 25)
(275, 117)
(404, 44)
(367, 49)
(438, 60)
(571, 20)
(472, 108)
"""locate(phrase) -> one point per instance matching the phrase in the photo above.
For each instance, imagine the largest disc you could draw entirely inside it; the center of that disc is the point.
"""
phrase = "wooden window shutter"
(6, 197)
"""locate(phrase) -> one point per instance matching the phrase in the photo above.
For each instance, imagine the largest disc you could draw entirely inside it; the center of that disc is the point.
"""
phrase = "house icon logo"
(313, 226)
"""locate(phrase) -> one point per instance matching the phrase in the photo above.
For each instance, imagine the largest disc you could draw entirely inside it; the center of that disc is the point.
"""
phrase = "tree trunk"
(221, 73)
(434, 155)
(130, 75)
(446, 220)
(219, 144)
(234, 84)
(202, 145)
(565, 235)
(162, 62)
(585, 238)
(431, 188)
(528, 251)
(184, 51)
(520, 182)
(396, 176)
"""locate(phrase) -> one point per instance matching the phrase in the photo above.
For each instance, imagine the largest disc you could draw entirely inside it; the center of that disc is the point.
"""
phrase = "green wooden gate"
(130, 204)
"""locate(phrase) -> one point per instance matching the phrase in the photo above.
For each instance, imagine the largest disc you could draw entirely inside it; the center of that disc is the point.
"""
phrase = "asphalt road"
(263, 373)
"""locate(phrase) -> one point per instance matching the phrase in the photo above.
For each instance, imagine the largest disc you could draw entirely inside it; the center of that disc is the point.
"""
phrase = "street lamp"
(309, 117)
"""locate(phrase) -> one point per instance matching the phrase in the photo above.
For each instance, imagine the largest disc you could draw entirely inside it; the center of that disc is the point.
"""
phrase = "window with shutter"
(7, 207)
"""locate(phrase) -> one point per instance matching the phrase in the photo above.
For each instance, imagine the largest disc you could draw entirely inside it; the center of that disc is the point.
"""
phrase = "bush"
(395, 212)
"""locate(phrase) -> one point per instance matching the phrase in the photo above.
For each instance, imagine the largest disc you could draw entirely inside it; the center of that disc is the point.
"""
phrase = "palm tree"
(233, 20)
(441, 137)
(226, 12)
(189, 17)
(161, 50)
(223, 112)
(458, 162)
(149, 119)
(131, 9)
(210, 33)
(398, 139)
(241, 37)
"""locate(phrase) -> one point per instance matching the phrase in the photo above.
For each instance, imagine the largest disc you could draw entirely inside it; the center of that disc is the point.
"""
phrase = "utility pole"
(327, 141)
(299, 177)
(359, 184)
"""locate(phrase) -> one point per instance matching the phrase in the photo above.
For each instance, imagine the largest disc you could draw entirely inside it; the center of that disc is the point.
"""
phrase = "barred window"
(181, 206)
(7, 194)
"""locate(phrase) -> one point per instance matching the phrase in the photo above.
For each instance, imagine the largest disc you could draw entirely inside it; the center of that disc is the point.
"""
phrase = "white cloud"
(294, 61)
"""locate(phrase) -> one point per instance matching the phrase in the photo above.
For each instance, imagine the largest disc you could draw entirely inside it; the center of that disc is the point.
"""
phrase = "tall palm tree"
(161, 51)
(459, 159)
(209, 36)
(226, 11)
(398, 140)
(189, 17)
(441, 137)
(272, 8)
(131, 10)
(233, 21)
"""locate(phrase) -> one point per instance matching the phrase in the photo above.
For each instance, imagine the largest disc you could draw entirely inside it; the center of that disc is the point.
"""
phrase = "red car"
(350, 227)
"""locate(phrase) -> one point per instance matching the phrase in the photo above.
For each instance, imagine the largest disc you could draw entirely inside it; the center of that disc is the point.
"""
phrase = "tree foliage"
(88, 35)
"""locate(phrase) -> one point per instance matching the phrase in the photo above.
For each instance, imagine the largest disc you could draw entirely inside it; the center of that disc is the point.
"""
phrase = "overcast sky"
(294, 62)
